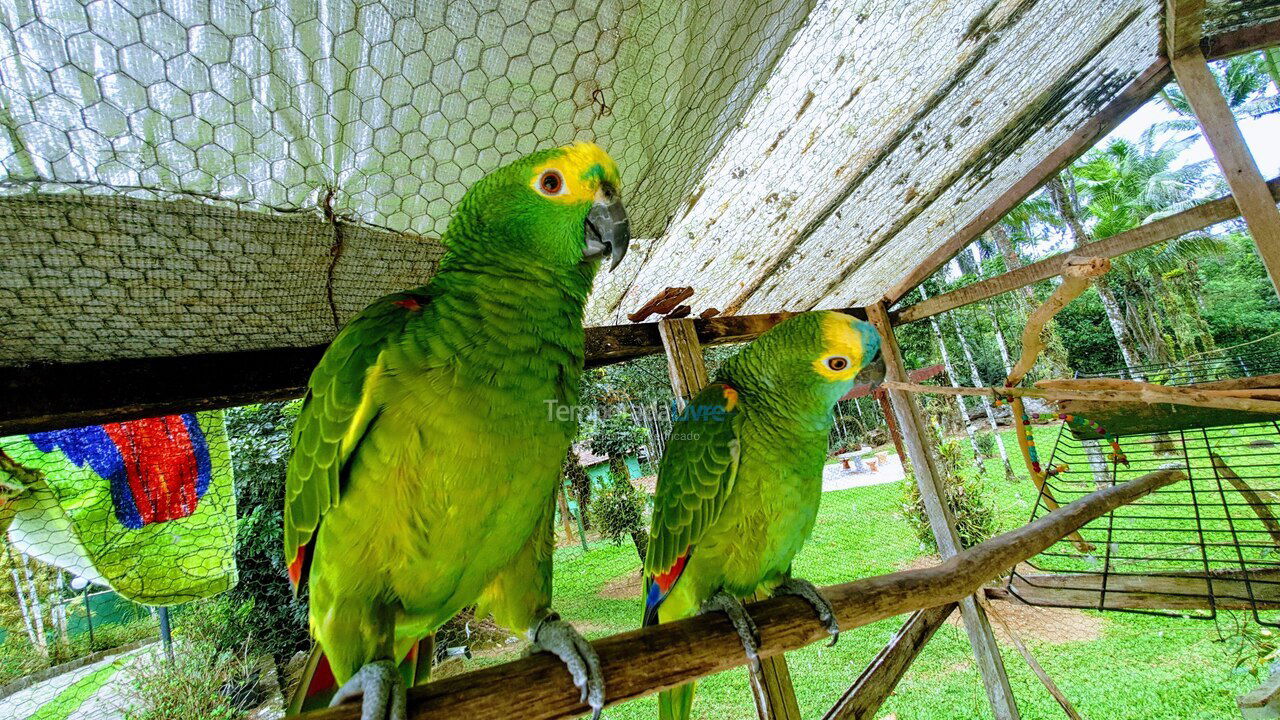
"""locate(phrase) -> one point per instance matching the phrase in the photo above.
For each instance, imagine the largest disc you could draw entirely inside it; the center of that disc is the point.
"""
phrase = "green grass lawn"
(1113, 666)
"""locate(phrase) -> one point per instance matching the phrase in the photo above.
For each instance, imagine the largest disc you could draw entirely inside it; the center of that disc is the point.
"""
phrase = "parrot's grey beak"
(607, 229)
(873, 373)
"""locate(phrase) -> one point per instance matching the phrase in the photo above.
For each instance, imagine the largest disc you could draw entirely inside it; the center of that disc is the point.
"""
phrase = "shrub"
(965, 493)
(619, 511)
(986, 443)
(191, 687)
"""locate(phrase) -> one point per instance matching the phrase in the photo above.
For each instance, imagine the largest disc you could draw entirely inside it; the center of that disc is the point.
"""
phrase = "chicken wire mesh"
(186, 177)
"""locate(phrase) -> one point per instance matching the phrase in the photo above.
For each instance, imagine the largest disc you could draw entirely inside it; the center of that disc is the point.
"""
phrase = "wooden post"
(876, 683)
(910, 419)
(688, 376)
(1220, 130)
(882, 397)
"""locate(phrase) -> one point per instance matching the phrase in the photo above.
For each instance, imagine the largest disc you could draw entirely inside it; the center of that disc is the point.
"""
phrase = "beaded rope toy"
(1082, 423)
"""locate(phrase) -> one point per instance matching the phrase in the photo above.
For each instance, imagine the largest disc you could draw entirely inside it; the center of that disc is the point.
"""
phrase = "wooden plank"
(877, 681)
(1157, 231)
(50, 397)
(1260, 507)
(1184, 26)
(773, 692)
(1262, 702)
(910, 420)
(1164, 591)
(1133, 96)
(645, 661)
(1256, 202)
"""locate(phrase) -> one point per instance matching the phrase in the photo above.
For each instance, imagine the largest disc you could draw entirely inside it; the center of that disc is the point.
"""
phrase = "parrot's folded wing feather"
(338, 408)
(695, 477)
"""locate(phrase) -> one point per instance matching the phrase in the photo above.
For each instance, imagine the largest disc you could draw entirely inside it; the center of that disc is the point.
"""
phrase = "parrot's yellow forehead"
(584, 167)
(840, 339)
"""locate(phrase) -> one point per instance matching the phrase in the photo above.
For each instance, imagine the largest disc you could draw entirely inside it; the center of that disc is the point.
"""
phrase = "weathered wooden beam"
(1133, 96)
(1183, 26)
(1157, 231)
(53, 396)
(876, 683)
(771, 686)
(645, 661)
(929, 480)
(1256, 202)
(1234, 590)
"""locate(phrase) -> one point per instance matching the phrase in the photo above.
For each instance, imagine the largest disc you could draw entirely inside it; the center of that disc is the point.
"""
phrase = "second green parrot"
(739, 485)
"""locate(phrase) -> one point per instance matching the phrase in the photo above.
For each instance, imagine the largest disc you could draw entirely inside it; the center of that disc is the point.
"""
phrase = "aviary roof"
(186, 177)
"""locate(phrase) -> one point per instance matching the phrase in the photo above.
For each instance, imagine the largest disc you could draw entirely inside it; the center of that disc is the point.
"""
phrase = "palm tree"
(1244, 81)
(1123, 185)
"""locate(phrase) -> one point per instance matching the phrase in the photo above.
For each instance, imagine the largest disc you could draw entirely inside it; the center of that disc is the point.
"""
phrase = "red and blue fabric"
(159, 468)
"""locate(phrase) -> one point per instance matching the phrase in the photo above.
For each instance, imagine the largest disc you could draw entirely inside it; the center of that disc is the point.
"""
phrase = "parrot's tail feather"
(316, 686)
(676, 704)
(300, 568)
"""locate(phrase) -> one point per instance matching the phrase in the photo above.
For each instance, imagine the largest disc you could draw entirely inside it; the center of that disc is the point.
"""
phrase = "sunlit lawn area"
(1113, 666)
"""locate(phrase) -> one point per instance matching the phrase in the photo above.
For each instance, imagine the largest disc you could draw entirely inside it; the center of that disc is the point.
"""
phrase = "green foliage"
(1084, 329)
(967, 494)
(618, 511)
(1239, 303)
(986, 443)
(579, 485)
(261, 607)
(616, 435)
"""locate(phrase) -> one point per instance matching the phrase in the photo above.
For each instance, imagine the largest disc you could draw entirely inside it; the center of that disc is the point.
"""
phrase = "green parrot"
(739, 485)
(428, 448)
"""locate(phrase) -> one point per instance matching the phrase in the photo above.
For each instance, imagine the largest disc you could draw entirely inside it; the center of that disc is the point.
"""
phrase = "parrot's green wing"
(335, 414)
(695, 477)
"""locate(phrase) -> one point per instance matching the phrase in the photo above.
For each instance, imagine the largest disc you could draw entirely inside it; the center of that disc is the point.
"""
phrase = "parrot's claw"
(558, 637)
(806, 590)
(381, 690)
(742, 622)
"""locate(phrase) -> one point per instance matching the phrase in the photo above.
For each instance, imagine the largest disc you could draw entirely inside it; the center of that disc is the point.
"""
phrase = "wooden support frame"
(1256, 202)
(1157, 231)
(50, 397)
(1237, 590)
(644, 661)
(983, 641)
(772, 689)
(1133, 96)
(876, 683)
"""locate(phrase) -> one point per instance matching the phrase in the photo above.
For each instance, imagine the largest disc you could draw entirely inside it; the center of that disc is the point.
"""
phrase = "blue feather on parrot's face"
(159, 468)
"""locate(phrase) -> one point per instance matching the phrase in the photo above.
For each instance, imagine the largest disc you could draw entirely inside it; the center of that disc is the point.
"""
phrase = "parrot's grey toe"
(558, 637)
(742, 622)
(380, 689)
(809, 593)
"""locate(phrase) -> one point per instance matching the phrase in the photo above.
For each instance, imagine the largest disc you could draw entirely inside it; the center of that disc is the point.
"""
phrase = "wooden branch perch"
(1260, 507)
(643, 662)
(1078, 273)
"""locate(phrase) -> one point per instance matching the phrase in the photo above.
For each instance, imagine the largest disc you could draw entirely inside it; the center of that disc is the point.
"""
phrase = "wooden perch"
(662, 303)
(1260, 507)
(1077, 274)
(1232, 589)
(645, 661)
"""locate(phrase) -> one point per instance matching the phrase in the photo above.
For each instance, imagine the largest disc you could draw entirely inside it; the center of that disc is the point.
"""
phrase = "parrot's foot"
(742, 622)
(381, 690)
(806, 590)
(558, 637)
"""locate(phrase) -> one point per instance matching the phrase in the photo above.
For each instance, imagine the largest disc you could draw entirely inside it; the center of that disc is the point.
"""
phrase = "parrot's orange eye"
(551, 182)
(838, 363)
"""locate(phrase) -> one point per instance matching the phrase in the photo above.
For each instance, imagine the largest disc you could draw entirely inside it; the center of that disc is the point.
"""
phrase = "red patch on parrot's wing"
(410, 303)
(730, 398)
(322, 680)
(667, 579)
(295, 567)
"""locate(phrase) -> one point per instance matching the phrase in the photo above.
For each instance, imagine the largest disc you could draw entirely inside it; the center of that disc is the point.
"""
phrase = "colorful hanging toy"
(1080, 423)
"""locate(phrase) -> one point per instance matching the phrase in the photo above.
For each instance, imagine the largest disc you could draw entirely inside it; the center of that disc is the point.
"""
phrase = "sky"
(1262, 136)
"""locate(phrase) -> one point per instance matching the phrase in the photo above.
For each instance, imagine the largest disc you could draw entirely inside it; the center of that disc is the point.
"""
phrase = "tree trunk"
(566, 518)
(1065, 204)
(986, 402)
(1004, 243)
(954, 379)
(641, 540)
(1004, 347)
(37, 610)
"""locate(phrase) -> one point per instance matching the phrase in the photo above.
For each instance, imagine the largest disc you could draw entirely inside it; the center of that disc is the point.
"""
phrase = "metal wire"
(1186, 550)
